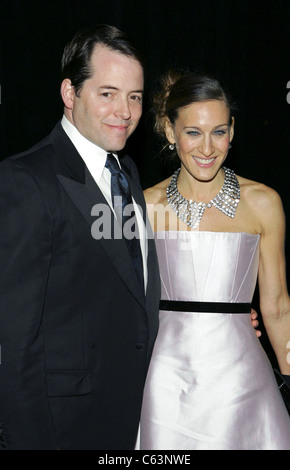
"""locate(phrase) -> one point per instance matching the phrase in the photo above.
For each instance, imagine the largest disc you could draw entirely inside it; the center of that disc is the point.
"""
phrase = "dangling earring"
(172, 146)
(230, 146)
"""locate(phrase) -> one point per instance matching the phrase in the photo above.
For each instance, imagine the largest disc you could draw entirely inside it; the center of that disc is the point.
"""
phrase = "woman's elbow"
(277, 310)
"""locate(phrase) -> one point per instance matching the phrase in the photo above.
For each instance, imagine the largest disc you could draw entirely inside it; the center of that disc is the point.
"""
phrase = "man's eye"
(136, 98)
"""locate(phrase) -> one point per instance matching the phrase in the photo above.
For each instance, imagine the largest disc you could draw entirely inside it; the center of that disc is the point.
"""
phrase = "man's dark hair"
(76, 59)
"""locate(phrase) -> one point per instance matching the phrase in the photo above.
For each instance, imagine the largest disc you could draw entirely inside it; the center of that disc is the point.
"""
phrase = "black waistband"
(207, 307)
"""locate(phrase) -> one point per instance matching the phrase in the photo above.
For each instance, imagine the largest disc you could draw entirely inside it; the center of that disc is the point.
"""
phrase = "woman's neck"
(197, 190)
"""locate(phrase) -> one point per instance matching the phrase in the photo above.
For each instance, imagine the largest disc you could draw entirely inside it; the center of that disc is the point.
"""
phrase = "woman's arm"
(274, 297)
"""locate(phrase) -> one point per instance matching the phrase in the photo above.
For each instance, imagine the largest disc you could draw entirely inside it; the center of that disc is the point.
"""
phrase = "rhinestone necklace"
(190, 212)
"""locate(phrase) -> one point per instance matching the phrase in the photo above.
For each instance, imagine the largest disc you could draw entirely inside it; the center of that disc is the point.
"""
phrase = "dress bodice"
(208, 266)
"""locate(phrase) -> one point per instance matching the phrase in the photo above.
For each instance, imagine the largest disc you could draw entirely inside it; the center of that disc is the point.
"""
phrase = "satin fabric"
(210, 385)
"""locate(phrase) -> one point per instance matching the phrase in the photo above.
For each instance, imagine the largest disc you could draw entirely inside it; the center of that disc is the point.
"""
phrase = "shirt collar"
(93, 156)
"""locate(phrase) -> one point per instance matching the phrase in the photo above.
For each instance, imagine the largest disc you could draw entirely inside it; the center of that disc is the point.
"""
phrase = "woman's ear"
(169, 132)
(232, 129)
(67, 93)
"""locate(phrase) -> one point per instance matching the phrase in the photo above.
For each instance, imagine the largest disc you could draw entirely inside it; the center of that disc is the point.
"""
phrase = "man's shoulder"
(32, 156)
(33, 151)
(39, 162)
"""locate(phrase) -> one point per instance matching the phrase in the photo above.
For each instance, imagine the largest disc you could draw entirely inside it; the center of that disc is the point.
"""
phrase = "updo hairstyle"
(179, 89)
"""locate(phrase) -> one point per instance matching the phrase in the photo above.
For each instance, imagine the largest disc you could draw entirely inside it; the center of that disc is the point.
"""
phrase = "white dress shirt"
(95, 160)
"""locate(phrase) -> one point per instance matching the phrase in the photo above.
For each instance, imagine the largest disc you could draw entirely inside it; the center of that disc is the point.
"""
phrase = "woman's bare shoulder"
(258, 193)
(157, 193)
(262, 201)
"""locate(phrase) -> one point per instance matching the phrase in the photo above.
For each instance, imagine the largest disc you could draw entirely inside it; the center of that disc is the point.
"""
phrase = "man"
(77, 322)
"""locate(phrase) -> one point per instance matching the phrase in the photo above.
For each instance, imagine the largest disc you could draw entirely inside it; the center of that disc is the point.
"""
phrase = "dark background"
(244, 43)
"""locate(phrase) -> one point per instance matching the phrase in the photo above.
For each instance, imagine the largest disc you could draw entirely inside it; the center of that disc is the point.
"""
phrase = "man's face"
(109, 105)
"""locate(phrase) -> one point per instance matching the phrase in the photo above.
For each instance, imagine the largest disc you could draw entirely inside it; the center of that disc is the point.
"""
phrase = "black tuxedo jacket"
(76, 331)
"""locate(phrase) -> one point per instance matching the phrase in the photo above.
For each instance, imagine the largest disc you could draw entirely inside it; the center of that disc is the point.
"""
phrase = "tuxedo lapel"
(85, 194)
(153, 282)
(136, 193)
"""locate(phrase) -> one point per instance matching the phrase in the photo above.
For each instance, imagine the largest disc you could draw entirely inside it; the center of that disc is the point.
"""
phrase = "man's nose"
(123, 109)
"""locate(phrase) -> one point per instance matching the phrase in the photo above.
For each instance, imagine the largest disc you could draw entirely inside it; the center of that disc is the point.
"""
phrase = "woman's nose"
(206, 147)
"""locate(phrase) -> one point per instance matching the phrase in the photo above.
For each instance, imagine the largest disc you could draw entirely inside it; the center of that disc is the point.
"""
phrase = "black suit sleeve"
(25, 254)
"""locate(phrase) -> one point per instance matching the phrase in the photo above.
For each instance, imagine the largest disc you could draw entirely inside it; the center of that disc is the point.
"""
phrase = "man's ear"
(67, 92)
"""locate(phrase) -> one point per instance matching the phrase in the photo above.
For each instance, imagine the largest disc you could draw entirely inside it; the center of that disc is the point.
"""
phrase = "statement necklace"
(190, 212)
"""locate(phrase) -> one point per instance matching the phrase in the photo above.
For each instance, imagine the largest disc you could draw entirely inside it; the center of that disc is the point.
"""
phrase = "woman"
(210, 384)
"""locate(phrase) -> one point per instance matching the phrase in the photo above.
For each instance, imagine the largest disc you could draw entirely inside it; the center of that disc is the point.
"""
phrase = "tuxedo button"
(139, 345)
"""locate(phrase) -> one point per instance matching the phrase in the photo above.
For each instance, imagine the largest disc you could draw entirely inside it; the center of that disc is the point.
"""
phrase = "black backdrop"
(244, 43)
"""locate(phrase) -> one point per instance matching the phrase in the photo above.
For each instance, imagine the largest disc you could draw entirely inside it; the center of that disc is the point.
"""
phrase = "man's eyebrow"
(110, 87)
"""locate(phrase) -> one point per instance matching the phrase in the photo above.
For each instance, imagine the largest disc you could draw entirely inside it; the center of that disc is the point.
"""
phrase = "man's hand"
(255, 322)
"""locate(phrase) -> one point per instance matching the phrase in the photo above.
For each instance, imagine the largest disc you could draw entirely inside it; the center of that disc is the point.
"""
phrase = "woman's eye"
(220, 132)
(193, 133)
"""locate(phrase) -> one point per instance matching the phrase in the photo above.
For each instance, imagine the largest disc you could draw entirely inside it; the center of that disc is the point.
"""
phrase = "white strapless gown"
(210, 385)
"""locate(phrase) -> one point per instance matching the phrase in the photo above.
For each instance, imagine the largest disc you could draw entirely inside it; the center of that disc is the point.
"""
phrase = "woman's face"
(202, 135)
